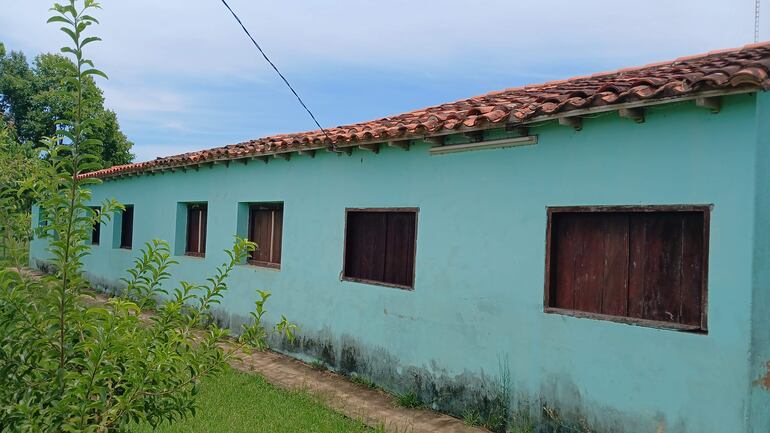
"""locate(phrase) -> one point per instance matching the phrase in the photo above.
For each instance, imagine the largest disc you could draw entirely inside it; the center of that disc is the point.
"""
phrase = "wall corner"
(758, 411)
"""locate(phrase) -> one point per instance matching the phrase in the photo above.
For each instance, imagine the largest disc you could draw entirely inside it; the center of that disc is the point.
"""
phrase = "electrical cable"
(312, 116)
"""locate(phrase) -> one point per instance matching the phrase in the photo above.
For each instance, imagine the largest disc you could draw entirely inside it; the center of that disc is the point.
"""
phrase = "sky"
(183, 76)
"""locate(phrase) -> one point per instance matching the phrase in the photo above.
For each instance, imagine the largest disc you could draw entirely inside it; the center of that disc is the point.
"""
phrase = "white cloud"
(174, 63)
(148, 152)
(143, 99)
(185, 38)
(176, 125)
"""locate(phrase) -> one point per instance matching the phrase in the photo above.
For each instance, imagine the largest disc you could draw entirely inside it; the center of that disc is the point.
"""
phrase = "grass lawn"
(235, 402)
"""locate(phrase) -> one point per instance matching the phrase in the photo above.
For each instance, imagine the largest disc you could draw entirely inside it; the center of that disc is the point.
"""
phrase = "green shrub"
(409, 399)
(69, 367)
(319, 365)
(363, 381)
(472, 418)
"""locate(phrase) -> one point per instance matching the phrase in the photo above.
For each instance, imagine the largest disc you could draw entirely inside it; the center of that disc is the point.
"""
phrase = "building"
(599, 244)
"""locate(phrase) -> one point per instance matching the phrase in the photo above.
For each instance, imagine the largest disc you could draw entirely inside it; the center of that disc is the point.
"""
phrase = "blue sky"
(184, 77)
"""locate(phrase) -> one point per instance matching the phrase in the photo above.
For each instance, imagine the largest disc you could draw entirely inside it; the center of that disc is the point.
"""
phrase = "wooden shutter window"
(380, 246)
(127, 228)
(96, 230)
(642, 265)
(196, 229)
(266, 230)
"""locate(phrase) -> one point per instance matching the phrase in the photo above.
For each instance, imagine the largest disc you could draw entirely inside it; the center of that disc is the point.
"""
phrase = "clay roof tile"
(748, 66)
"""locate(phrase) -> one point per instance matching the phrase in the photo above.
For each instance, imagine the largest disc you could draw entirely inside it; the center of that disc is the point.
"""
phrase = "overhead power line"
(312, 116)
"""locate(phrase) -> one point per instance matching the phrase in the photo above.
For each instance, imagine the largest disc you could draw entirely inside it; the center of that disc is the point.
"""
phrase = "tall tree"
(34, 97)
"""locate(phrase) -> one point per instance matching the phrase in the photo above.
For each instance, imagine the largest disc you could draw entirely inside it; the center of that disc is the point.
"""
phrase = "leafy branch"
(66, 366)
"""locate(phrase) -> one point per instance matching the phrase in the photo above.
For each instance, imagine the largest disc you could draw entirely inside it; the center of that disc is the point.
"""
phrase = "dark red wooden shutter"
(399, 251)
(646, 265)
(193, 229)
(266, 230)
(616, 253)
(694, 256)
(196, 229)
(380, 246)
(365, 245)
(260, 234)
(277, 235)
(203, 222)
(590, 262)
(666, 266)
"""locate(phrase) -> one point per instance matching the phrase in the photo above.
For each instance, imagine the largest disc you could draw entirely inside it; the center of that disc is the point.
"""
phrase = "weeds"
(556, 424)
(493, 412)
(409, 400)
(363, 381)
(319, 365)
(472, 417)
(522, 422)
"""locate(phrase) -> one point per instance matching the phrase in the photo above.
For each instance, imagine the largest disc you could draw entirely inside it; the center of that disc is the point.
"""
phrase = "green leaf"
(93, 72)
(71, 34)
(89, 40)
(59, 19)
(89, 18)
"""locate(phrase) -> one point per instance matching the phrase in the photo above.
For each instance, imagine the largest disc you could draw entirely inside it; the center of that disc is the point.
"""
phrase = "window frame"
(123, 227)
(96, 227)
(42, 218)
(705, 209)
(202, 232)
(343, 277)
(270, 205)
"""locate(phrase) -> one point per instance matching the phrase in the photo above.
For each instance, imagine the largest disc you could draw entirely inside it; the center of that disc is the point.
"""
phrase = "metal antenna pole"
(756, 20)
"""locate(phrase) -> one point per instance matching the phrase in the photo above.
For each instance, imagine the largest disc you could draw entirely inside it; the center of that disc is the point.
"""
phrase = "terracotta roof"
(725, 70)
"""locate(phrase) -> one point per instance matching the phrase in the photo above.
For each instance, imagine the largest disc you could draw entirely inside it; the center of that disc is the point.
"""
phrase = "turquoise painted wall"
(478, 295)
(759, 409)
